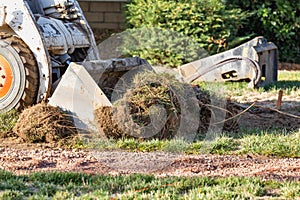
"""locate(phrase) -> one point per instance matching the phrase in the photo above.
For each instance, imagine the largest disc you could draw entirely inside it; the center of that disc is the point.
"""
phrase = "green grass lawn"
(82, 186)
(268, 143)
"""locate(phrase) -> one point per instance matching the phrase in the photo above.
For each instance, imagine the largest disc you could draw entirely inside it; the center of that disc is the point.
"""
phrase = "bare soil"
(24, 159)
(265, 114)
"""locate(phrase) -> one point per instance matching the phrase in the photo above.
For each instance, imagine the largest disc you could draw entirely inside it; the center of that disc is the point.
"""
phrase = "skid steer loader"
(47, 49)
(39, 39)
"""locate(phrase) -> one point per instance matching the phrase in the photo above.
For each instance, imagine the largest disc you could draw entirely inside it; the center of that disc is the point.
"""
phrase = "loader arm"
(255, 61)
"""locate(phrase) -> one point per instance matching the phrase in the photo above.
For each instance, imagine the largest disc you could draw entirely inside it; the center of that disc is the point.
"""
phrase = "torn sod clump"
(153, 108)
(43, 123)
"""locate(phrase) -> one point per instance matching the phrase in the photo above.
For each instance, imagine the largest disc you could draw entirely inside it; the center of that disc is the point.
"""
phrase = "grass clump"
(224, 145)
(7, 122)
(43, 123)
(176, 146)
(128, 144)
(153, 107)
(158, 106)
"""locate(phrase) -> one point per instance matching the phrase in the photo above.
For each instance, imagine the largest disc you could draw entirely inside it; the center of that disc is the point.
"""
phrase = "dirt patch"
(105, 122)
(264, 114)
(156, 106)
(224, 166)
(269, 119)
(161, 164)
(43, 123)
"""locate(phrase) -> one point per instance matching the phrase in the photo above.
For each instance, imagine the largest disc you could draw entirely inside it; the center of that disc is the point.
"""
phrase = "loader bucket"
(260, 67)
(84, 88)
(78, 94)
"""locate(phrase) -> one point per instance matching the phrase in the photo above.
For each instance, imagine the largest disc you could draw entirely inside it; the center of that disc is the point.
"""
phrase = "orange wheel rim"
(6, 77)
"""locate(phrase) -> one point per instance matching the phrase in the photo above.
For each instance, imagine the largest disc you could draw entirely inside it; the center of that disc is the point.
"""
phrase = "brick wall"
(103, 14)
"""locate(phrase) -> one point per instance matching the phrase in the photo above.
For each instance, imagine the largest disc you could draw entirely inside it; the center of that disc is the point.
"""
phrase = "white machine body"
(56, 31)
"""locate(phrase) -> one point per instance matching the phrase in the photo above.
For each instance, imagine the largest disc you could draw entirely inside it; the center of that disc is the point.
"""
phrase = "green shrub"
(161, 46)
(184, 28)
(276, 20)
(214, 25)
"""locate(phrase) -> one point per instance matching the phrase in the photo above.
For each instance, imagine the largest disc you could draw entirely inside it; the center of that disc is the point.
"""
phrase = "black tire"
(19, 74)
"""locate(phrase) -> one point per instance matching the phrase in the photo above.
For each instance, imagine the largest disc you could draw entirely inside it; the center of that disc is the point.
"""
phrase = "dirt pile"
(43, 123)
(157, 106)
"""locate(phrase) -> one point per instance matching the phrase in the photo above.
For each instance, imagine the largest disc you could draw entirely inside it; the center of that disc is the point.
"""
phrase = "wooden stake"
(279, 100)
